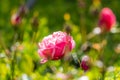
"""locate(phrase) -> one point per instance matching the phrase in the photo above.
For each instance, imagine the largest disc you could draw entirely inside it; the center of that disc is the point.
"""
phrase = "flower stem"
(34, 37)
(13, 65)
(102, 57)
(14, 55)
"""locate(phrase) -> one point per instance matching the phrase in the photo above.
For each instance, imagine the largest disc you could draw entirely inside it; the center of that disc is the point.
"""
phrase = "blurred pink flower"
(107, 19)
(15, 19)
(85, 62)
(55, 46)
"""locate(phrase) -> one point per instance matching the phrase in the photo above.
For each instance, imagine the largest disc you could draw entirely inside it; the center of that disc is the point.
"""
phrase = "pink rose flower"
(55, 46)
(107, 19)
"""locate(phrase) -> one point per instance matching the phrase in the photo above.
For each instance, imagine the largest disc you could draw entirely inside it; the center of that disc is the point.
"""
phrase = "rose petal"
(59, 50)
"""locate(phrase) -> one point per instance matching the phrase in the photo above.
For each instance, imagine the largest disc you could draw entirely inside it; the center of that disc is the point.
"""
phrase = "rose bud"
(67, 29)
(55, 46)
(15, 19)
(85, 63)
(22, 10)
(107, 19)
(35, 23)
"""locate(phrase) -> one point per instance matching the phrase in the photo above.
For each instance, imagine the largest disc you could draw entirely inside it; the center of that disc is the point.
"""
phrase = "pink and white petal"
(41, 54)
(73, 44)
(41, 45)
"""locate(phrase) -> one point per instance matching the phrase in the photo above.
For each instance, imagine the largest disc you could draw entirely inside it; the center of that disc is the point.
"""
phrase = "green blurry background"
(19, 59)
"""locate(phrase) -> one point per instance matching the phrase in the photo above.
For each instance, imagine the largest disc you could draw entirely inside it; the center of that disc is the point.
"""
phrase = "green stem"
(13, 56)
(83, 30)
(103, 74)
(34, 37)
(102, 57)
(13, 65)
